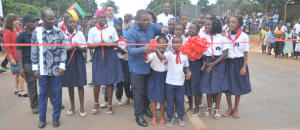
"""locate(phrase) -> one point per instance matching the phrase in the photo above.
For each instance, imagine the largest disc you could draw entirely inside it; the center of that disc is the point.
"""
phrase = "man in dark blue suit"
(111, 20)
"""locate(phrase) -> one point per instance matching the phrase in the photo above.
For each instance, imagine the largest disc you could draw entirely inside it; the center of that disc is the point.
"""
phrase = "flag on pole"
(76, 11)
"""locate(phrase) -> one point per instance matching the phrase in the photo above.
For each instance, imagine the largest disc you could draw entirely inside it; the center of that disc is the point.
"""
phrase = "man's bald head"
(48, 18)
(46, 13)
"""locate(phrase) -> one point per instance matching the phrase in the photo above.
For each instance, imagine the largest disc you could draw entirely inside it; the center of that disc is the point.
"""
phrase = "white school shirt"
(175, 73)
(202, 32)
(169, 48)
(109, 35)
(297, 28)
(164, 19)
(156, 64)
(79, 38)
(237, 50)
(120, 55)
(218, 45)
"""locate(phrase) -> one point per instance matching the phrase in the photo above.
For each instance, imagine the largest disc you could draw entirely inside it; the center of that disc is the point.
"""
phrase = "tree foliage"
(113, 4)
(157, 5)
(204, 6)
(35, 6)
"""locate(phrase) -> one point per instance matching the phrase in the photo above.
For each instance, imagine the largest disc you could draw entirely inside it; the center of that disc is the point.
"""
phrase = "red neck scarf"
(71, 37)
(238, 34)
(211, 46)
(102, 28)
(178, 59)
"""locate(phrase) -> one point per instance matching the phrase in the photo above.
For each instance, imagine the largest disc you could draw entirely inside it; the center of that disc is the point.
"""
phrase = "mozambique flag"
(76, 11)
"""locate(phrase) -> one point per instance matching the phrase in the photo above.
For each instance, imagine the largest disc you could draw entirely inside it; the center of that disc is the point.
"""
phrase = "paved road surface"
(273, 104)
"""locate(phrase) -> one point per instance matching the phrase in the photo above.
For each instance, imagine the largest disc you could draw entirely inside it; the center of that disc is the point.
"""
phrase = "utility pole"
(175, 8)
(58, 7)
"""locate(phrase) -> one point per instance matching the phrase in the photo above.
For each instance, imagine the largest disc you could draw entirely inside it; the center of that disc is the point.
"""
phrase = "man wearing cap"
(24, 56)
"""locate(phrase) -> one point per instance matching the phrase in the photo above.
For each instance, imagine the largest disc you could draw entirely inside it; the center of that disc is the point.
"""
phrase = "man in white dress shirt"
(165, 16)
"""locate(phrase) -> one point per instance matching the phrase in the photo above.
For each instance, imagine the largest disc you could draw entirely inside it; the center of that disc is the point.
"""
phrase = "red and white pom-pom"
(194, 47)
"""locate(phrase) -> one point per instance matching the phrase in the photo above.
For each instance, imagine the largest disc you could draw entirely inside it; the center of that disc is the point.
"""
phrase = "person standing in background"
(165, 16)
(10, 33)
(24, 56)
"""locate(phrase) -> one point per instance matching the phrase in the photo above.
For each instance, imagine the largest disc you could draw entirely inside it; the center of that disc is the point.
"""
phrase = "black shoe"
(141, 121)
(41, 124)
(56, 123)
(62, 107)
(148, 113)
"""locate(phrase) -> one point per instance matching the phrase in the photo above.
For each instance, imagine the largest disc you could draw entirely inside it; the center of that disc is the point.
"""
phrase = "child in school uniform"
(288, 45)
(75, 74)
(177, 71)
(156, 81)
(179, 31)
(106, 65)
(192, 86)
(213, 78)
(123, 56)
(237, 72)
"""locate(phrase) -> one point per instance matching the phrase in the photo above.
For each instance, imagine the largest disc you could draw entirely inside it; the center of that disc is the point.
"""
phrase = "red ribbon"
(178, 59)
(101, 28)
(153, 46)
(71, 37)
(62, 27)
(211, 44)
(238, 34)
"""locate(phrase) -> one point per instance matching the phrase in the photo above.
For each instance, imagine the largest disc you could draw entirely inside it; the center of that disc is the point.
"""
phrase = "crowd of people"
(285, 46)
(151, 77)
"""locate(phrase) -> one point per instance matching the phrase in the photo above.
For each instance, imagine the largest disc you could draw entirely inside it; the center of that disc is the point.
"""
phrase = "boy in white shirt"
(177, 71)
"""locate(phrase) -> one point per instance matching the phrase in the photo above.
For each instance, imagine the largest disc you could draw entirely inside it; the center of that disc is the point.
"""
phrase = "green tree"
(157, 5)
(204, 5)
(59, 7)
(110, 2)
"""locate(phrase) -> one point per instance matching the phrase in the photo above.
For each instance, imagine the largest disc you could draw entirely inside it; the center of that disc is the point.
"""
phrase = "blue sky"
(131, 6)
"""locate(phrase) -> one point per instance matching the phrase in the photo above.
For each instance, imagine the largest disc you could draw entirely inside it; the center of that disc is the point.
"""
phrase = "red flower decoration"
(194, 48)
(153, 44)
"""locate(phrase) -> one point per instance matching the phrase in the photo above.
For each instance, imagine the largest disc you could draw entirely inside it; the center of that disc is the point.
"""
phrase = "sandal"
(196, 114)
(207, 113)
(95, 108)
(23, 94)
(162, 120)
(217, 115)
(236, 116)
(70, 112)
(109, 111)
(153, 122)
(82, 114)
(227, 114)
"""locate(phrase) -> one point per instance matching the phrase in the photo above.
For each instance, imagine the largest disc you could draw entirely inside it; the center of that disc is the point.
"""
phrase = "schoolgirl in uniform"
(236, 66)
(106, 65)
(157, 79)
(193, 85)
(179, 31)
(213, 78)
(177, 71)
(75, 74)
